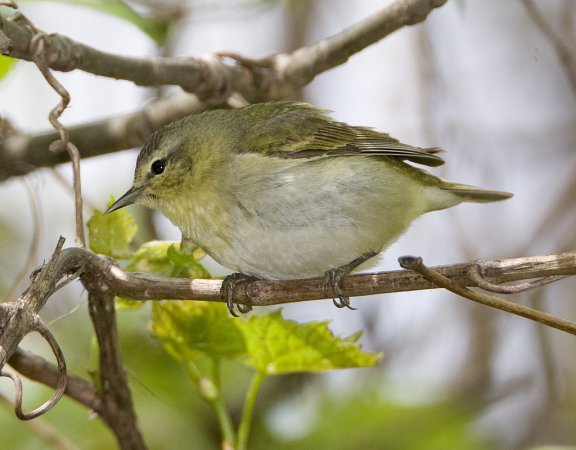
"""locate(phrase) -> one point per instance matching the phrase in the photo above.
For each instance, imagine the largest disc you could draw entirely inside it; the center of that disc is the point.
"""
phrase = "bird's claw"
(227, 292)
(343, 302)
(331, 281)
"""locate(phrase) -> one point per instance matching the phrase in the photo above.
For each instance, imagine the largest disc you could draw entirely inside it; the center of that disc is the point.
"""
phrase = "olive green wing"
(308, 132)
(340, 139)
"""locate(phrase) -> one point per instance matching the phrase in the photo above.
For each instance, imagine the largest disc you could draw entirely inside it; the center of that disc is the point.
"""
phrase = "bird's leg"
(332, 279)
(227, 291)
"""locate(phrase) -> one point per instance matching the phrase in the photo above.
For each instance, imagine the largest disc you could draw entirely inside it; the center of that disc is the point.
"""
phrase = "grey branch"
(117, 406)
(113, 279)
(110, 278)
(209, 76)
(212, 78)
(38, 369)
(21, 153)
(416, 264)
(104, 278)
(266, 292)
(19, 318)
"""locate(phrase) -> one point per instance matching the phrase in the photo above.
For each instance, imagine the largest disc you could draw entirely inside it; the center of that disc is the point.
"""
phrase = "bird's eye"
(158, 166)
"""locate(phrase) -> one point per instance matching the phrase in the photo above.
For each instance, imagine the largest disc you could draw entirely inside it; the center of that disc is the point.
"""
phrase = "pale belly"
(293, 254)
(294, 224)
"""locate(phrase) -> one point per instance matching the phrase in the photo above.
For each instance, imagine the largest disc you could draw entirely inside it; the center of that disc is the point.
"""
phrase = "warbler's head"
(173, 160)
(160, 166)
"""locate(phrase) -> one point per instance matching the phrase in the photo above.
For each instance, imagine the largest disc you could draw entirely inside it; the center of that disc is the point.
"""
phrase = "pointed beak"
(128, 198)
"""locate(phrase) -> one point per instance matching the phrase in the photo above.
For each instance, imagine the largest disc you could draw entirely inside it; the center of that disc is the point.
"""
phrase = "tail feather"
(475, 194)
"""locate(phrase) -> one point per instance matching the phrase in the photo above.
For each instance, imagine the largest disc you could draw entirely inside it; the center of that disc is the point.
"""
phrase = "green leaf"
(111, 234)
(276, 346)
(151, 258)
(165, 259)
(156, 28)
(185, 262)
(6, 64)
(192, 330)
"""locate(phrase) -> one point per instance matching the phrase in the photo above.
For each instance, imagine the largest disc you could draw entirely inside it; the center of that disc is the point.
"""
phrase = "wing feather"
(309, 132)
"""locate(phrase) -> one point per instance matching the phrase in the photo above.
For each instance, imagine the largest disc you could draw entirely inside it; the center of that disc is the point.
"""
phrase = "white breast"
(297, 219)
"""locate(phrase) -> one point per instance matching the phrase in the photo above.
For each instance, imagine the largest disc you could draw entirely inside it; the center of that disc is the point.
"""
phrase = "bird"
(280, 191)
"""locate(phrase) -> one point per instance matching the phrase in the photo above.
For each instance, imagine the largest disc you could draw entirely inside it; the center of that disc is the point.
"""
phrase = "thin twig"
(266, 292)
(20, 317)
(38, 369)
(38, 44)
(304, 64)
(62, 373)
(416, 264)
(114, 279)
(475, 274)
(60, 386)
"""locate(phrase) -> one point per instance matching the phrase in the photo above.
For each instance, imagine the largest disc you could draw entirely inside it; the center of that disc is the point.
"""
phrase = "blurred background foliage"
(484, 79)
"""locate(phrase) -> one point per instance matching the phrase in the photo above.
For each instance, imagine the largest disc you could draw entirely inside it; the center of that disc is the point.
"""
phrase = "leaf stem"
(209, 390)
(224, 419)
(248, 413)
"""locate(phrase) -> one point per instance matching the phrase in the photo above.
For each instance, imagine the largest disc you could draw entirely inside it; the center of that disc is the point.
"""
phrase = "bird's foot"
(332, 278)
(331, 282)
(227, 292)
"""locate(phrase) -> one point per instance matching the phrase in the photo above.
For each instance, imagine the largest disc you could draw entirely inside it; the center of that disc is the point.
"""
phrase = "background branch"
(303, 65)
(22, 153)
(38, 369)
(115, 393)
(209, 77)
(104, 279)
(103, 275)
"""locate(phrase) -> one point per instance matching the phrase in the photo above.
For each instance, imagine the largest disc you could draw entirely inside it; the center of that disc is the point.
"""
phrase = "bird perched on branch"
(281, 191)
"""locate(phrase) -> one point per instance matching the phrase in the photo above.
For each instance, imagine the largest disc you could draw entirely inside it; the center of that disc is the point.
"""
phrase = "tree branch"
(104, 275)
(209, 77)
(104, 279)
(304, 64)
(21, 317)
(416, 264)
(113, 280)
(117, 406)
(267, 292)
(38, 369)
(21, 153)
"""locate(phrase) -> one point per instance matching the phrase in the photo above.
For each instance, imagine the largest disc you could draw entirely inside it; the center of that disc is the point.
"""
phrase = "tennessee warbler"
(281, 191)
